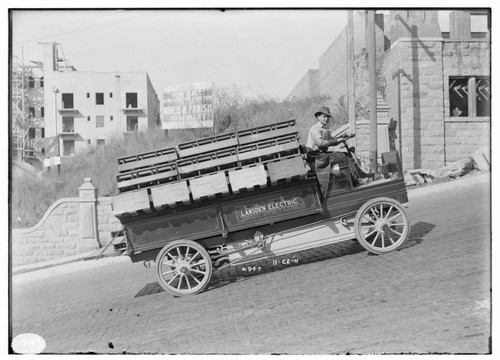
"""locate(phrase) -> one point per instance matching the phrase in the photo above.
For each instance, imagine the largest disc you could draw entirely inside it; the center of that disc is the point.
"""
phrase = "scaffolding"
(22, 120)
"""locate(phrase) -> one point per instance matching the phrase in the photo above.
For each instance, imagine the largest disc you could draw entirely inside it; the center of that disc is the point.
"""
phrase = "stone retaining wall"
(71, 226)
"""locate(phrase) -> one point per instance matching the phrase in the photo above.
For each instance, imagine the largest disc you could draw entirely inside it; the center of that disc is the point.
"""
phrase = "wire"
(93, 27)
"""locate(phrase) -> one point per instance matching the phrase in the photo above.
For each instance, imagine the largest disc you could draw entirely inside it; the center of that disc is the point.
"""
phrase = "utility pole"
(372, 76)
(351, 101)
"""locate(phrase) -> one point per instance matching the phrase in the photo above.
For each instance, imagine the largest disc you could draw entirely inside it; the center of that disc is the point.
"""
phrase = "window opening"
(132, 123)
(68, 147)
(483, 95)
(99, 121)
(68, 124)
(99, 98)
(131, 100)
(469, 96)
(67, 100)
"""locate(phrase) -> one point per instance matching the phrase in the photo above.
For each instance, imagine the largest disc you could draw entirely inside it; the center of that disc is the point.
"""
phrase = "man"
(320, 137)
(319, 140)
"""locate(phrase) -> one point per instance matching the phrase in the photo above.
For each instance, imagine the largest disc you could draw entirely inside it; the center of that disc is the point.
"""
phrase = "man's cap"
(323, 110)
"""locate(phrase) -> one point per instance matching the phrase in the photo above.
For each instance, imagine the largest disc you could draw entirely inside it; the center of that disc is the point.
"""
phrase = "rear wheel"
(183, 267)
(382, 225)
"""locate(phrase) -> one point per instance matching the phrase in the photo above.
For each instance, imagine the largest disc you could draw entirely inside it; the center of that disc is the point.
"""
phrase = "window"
(111, 118)
(88, 95)
(99, 121)
(89, 141)
(31, 133)
(110, 95)
(469, 96)
(131, 100)
(31, 82)
(132, 122)
(42, 133)
(42, 111)
(68, 124)
(483, 88)
(100, 143)
(32, 111)
(99, 98)
(41, 82)
(88, 118)
(68, 147)
(67, 101)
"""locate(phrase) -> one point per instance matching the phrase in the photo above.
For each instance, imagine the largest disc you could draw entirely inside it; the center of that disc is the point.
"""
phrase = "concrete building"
(308, 86)
(435, 86)
(86, 108)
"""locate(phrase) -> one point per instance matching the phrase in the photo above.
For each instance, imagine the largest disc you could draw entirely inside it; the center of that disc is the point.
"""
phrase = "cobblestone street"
(432, 296)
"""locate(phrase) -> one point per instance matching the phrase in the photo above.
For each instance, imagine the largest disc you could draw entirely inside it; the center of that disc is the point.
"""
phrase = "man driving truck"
(319, 140)
(320, 137)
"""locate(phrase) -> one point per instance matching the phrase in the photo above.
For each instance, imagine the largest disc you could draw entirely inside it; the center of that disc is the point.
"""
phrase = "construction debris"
(477, 162)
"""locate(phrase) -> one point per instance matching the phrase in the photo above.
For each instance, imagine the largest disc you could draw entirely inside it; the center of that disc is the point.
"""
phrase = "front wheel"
(183, 267)
(382, 225)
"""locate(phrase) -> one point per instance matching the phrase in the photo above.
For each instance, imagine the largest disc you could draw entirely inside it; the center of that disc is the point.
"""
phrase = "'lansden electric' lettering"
(269, 207)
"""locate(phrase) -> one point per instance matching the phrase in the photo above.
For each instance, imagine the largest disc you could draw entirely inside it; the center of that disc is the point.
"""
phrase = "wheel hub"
(182, 267)
(382, 226)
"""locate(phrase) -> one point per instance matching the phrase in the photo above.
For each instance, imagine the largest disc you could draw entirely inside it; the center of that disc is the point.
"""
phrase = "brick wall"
(333, 69)
(307, 87)
(460, 25)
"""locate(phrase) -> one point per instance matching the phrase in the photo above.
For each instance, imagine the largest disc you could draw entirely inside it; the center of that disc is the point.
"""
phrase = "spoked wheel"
(382, 225)
(183, 267)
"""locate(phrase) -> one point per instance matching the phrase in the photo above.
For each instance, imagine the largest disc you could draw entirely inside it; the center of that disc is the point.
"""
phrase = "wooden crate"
(267, 132)
(170, 194)
(207, 163)
(131, 202)
(209, 144)
(286, 169)
(247, 178)
(146, 159)
(264, 150)
(140, 178)
(208, 186)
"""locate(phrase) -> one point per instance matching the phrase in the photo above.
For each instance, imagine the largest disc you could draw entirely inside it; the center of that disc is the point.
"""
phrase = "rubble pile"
(477, 162)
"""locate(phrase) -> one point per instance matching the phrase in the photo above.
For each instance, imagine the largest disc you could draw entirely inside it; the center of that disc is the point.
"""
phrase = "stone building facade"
(436, 85)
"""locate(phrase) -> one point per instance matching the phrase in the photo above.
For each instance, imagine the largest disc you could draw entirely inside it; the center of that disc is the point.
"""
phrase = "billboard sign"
(188, 106)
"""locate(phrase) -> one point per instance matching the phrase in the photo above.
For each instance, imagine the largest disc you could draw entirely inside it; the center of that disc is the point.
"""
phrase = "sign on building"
(188, 106)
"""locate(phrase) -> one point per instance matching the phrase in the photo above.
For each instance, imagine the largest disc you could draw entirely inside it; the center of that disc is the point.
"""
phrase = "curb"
(78, 262)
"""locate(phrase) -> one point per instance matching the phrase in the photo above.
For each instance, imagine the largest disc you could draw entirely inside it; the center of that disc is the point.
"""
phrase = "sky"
(265, 52)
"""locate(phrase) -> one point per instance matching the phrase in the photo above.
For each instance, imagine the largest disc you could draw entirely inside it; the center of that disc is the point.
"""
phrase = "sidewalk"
(78, 262)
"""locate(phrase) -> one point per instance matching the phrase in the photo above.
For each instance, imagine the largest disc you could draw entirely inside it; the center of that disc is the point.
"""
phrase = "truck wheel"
(381, 225)
(183, 267)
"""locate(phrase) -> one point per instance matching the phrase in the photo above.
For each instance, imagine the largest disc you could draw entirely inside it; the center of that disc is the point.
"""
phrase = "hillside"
(31, 197)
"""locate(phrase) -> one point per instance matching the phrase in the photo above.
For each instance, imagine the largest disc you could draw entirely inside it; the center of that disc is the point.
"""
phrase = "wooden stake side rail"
(213, 143)
(210, 186)
(212, 167)
(146, 159)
